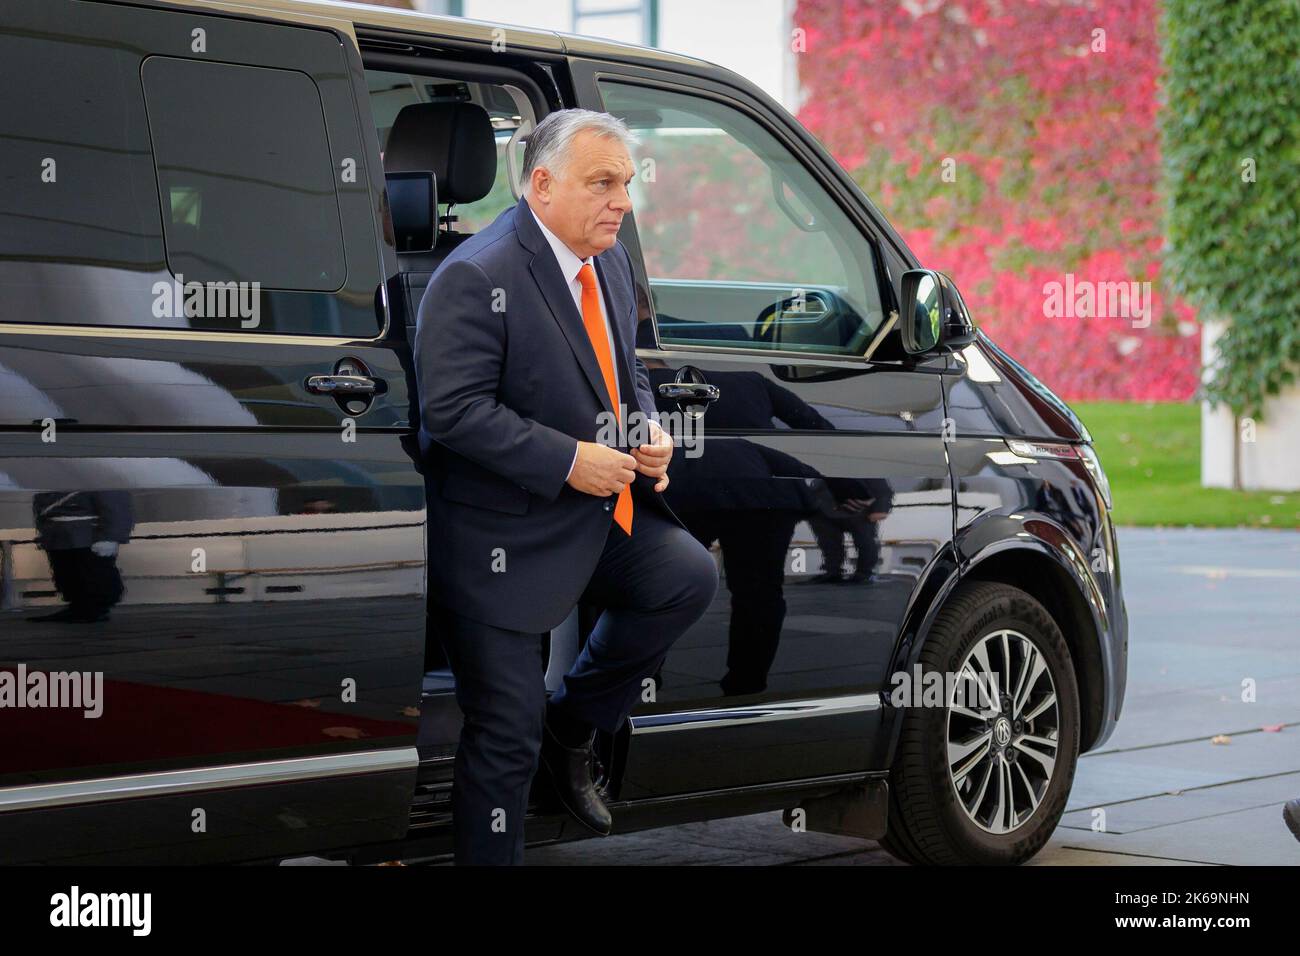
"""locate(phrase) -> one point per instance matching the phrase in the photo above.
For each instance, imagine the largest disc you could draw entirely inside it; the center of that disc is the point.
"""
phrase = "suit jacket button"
(609, 506)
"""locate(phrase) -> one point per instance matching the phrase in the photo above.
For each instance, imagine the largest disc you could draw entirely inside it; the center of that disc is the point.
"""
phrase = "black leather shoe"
(734, 686)
(569, 769)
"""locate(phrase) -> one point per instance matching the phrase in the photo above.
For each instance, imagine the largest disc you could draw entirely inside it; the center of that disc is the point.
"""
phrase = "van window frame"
(365, 259)
(161, 134)
(588, 73)
(470, 65)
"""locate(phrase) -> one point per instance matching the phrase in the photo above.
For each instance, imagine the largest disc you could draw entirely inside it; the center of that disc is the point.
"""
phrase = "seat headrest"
(455, 140)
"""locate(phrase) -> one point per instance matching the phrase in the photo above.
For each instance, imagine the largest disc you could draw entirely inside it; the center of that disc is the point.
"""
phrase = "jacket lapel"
(546, 272)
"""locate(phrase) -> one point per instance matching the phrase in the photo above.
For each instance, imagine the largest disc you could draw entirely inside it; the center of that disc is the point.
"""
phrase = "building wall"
(751, 37)
(1266, 453)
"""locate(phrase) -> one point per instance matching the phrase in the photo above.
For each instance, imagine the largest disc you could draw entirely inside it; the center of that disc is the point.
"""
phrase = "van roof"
(392, 18)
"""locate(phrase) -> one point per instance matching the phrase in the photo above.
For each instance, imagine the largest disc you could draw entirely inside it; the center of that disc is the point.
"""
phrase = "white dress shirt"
(570, 265)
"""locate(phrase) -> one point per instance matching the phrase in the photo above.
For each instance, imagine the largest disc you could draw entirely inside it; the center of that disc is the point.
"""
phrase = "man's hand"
(860, 505)
(652, 459)
(601, 470)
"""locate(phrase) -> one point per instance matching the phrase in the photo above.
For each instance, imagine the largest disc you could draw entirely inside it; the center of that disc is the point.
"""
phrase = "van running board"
(861, 810)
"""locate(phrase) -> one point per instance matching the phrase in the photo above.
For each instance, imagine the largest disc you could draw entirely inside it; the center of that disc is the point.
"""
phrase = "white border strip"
(752, 714)
(101, 789)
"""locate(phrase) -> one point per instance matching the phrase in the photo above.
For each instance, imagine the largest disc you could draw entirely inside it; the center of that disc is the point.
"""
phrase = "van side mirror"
(934, 316)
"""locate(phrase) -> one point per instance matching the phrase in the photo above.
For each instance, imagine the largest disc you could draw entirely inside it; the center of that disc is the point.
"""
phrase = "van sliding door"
(211, 594)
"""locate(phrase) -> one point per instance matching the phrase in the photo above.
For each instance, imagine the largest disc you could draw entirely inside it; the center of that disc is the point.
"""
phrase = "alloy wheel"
(1002, 731)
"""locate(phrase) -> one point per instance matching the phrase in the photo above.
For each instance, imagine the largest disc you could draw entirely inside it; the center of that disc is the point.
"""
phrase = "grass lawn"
(1152, 455)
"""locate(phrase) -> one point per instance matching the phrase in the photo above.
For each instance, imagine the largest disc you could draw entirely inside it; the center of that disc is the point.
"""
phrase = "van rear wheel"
(983, 773)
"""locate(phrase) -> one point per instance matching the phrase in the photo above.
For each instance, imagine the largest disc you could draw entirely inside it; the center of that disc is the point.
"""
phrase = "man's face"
(586, 202)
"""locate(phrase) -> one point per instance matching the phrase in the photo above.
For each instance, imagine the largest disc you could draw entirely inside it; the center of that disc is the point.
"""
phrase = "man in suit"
(545, 474)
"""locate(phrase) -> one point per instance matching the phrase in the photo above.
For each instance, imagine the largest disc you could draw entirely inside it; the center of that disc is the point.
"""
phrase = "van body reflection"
(786, 468)
(263, 599)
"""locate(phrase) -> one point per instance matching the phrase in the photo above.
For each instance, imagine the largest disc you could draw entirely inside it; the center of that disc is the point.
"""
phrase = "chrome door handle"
(342, 385)
(694, 391)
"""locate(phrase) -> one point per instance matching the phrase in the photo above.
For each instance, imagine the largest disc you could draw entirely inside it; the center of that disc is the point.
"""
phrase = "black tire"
(928, 824)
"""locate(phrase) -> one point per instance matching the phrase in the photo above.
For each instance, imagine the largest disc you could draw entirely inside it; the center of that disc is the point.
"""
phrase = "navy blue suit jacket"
(508, 384)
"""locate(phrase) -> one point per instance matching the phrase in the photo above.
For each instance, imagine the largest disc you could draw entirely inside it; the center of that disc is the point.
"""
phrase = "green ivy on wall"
(1231, 146)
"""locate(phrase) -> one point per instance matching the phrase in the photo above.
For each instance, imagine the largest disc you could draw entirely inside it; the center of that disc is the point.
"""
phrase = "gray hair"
(548, 145)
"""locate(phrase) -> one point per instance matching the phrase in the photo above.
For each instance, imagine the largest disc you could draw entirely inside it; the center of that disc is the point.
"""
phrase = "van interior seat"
(456, 142)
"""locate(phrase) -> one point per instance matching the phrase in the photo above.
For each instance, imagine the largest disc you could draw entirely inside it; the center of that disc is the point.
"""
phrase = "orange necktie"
(596, 332)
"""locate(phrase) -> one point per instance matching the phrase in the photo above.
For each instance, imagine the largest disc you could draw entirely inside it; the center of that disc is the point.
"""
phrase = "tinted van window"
(79, 220)
(743, 247)
(244, 189)
(244, 174)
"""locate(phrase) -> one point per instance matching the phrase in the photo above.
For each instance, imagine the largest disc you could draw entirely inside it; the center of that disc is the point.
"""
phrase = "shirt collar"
(569, 262)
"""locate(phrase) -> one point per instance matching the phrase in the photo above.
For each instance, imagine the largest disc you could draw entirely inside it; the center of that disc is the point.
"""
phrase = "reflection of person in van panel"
(80, 532)
(749, 498)
(856, 506)
(524, 353)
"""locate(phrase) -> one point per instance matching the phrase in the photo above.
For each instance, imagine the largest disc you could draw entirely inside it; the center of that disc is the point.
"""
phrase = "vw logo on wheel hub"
(1002, 731)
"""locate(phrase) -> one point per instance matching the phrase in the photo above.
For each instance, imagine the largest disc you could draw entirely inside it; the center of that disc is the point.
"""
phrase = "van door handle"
(692, 391)
(342, 385)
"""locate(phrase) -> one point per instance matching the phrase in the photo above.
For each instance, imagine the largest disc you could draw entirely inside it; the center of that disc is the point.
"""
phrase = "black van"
(216, 223)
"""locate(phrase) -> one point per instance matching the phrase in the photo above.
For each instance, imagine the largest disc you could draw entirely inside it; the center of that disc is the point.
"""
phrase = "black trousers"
(88, 583)
(829, 530)
(754, 544)
(652, 587)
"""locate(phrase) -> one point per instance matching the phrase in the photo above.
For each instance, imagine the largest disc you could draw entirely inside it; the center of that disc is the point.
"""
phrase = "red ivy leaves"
(1057, 162)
